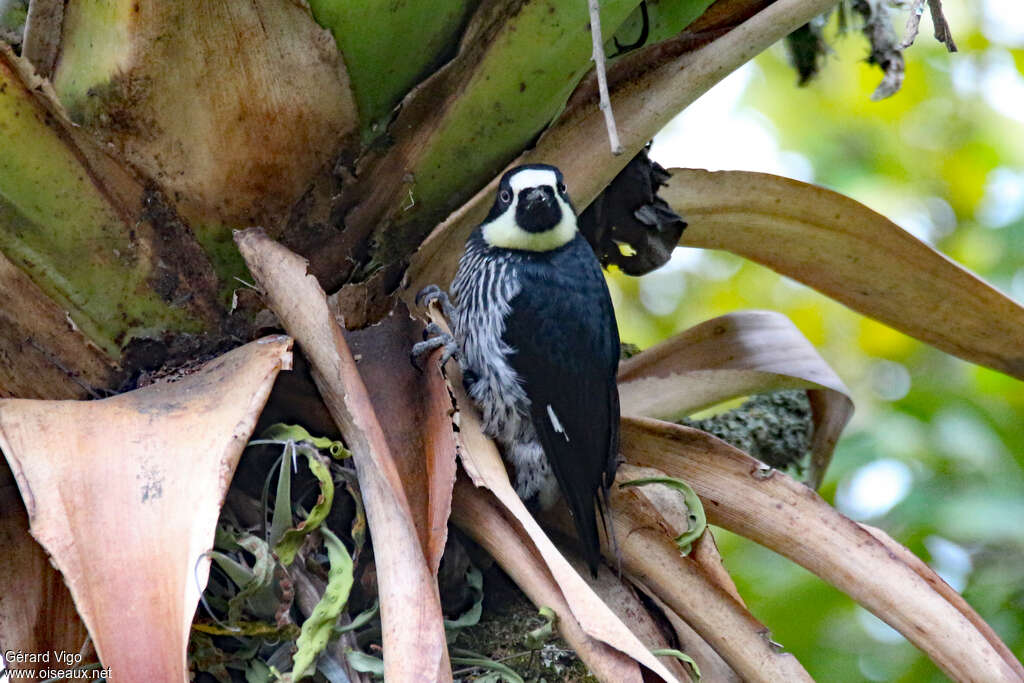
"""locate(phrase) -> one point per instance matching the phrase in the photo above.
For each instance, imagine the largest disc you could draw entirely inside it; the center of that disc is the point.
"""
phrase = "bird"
(535, 334)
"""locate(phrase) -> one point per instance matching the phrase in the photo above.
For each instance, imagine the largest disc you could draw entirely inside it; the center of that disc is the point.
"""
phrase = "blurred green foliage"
(935, 454)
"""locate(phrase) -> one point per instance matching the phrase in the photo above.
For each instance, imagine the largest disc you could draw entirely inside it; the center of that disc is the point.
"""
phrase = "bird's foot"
(432, 293)
(434, 338)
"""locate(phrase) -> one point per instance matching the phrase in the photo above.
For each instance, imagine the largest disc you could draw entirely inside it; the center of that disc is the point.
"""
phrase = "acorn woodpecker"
(536, 337)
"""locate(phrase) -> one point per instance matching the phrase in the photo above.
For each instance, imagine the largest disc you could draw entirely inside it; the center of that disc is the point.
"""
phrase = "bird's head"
(532, 211)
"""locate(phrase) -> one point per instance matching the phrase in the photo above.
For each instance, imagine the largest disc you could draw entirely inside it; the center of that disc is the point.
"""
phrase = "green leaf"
(204, 655)
(316, 630)
(698, 520)
(499, 671)
(374, 39)
(364, 663)
(236, 571)
(666, 19)
(293, 538)
(361, 620)
(470, 617)
(282, 519)
(258, 592)
(682, 657)
(69, 219)
(252, 629)
(536, 638)
(281, 433)
(359, 518)
(257, 672)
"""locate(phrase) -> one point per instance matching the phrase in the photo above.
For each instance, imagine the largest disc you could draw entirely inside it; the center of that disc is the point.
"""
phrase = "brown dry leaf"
(791, 519)
(105, 483)
(418, 424)
(735, 355)
(413, 627)
(705, 553)
(854, 255)
(646, 520)
(36, 610)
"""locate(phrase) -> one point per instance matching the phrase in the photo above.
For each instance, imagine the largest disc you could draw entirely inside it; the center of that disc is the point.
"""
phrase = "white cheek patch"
(555, 423)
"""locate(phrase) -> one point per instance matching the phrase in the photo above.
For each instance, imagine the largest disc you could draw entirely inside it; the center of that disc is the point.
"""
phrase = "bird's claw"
(434, 337)
(432, 293)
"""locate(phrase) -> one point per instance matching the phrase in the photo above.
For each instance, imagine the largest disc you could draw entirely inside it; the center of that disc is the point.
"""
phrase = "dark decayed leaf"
(628, 224)
(807, 49)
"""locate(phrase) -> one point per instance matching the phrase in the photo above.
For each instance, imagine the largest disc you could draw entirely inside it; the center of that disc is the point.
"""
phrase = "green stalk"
(72, 220)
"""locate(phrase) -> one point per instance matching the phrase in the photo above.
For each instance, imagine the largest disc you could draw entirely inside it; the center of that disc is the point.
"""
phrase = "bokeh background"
(935, 453)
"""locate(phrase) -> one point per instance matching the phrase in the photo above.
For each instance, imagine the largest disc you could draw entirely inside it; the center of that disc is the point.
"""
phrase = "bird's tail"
(603, 505)
(584, 514)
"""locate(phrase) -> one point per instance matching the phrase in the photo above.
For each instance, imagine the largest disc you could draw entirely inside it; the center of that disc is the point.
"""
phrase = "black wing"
(562, 328)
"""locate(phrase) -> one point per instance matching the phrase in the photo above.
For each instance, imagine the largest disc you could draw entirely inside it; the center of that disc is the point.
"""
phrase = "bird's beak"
(536, 197)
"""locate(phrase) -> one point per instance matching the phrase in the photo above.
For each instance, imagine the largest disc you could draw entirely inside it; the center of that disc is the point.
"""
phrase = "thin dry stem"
(602, 76)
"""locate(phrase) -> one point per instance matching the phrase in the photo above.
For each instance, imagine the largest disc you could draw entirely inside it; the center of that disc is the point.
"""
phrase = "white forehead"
(532, 177)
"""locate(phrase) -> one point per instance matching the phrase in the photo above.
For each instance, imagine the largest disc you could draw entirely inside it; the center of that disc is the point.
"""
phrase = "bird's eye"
(561, 187)
(505, 196)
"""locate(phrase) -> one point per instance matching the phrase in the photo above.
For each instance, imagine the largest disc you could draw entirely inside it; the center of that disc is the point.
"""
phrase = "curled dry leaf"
(105, 483)
(418, 427)
(645, 524)
(411, 619)
(794, 521)
(481, 461)
(854, 255)
(736, 355)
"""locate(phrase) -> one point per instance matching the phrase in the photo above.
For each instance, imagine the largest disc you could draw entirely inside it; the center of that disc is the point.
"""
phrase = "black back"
(562, 327)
